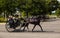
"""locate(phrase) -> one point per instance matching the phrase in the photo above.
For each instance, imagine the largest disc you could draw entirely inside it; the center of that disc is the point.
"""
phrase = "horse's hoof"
(23, 29)
(42, 31)
(32, 30)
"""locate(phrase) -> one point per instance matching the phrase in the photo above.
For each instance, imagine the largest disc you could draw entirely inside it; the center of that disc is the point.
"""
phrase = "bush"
(58, 13)
(2, 19)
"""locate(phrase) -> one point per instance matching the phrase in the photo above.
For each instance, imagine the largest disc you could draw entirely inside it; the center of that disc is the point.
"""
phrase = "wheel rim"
(8, 28)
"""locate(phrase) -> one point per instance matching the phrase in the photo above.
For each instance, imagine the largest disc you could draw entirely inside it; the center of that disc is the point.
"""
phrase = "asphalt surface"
(51, 30)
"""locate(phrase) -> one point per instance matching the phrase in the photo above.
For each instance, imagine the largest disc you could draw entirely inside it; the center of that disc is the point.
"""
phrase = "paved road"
(51, 30)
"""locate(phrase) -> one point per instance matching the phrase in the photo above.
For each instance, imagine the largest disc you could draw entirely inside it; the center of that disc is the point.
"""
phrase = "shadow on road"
(17, 30)
(21, 31)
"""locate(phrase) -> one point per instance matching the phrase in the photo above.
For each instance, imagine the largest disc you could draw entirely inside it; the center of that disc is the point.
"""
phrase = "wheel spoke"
(8, 28)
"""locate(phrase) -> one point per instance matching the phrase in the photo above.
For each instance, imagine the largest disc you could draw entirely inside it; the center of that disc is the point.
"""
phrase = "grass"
(2, 20)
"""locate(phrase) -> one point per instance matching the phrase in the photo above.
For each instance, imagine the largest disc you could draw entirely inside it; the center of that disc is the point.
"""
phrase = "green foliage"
(2, 19)
(58, 12)
(53, 5)
(33, 7)
(23, 14)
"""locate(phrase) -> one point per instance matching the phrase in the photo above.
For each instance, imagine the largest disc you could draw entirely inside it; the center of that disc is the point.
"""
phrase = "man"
(11, 21)
(17, 20)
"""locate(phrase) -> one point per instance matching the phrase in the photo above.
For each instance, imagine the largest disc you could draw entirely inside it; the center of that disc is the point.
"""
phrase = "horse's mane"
(33, 19)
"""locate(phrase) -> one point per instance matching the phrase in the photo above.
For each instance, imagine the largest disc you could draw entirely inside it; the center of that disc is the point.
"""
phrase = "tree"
(58, 12)
(53, 5)
(32, 7)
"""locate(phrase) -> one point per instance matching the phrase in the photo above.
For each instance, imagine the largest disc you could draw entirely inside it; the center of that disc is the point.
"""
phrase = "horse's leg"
(27, 26)
(33, 27)
(24, 27)
(40, 27)
(20, 27)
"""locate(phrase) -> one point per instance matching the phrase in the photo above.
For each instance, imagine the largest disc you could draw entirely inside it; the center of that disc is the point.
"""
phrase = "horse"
(35, 21)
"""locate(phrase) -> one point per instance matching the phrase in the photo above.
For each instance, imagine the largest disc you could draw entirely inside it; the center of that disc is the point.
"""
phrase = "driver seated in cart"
(17, 20)
(10, 20)
(13, 21)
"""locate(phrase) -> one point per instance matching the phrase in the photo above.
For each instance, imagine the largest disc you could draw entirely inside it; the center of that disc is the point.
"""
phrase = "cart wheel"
(8, 28)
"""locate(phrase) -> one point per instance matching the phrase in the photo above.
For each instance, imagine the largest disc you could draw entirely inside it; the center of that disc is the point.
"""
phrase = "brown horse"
(35, 21)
